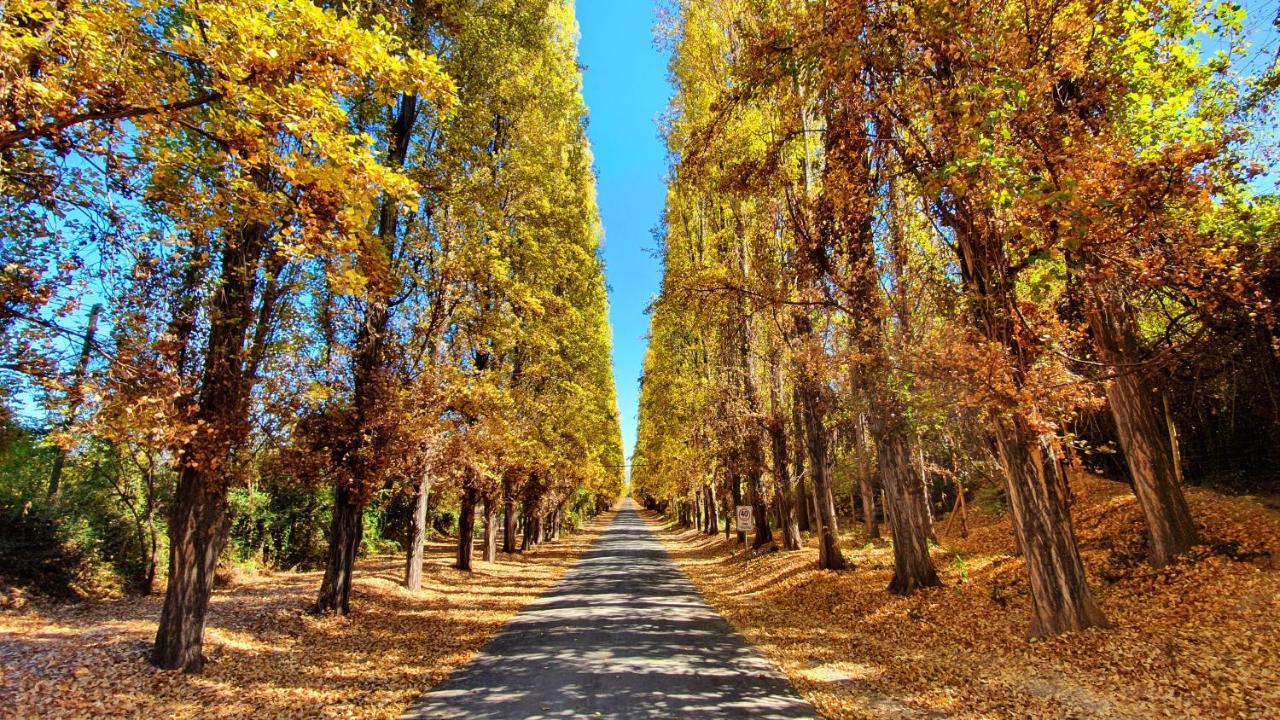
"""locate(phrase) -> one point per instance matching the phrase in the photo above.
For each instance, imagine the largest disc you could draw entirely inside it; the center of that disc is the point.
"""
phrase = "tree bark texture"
(346, 531)
(1060, 597)
(789, 524)
(829, 555)
(417, 535)
(198, 522)
(490, 529)
(1144, 434)
(764, 533)
(713, 512)
(508, 517)
(466, 527)
(803, 500)
(905, 506)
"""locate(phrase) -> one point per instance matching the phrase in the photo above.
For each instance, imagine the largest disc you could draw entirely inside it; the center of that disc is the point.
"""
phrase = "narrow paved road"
(623, 634)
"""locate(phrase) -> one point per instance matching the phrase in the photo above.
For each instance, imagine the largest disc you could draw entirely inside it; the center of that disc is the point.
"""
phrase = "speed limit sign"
(746, 519)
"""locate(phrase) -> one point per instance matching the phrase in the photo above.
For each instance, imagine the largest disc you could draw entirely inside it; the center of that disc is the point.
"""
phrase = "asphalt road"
(623, 634)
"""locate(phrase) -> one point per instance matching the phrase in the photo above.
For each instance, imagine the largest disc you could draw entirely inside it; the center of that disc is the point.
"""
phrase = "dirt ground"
(267, 657)
(1198, 639)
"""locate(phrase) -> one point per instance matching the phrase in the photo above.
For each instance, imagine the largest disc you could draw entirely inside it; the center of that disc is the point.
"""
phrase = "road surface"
(623, 634)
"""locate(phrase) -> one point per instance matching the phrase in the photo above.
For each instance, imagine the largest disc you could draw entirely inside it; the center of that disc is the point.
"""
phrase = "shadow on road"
(623, 635)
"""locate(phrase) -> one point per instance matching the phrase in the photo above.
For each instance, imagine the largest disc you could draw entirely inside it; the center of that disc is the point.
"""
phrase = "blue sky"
(625, 84)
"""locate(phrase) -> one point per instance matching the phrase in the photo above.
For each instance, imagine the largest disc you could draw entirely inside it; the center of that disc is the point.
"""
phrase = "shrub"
(40, 553)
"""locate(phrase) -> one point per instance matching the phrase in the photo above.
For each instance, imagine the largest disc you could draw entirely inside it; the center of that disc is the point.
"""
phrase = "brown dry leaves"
(1198, 639)
(267, 658)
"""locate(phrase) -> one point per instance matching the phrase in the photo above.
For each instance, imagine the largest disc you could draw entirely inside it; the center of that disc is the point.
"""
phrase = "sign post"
(746, 518)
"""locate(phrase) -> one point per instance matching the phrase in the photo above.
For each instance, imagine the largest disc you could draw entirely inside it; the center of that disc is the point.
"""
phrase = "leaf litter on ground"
(268, 658)
(1200, 638)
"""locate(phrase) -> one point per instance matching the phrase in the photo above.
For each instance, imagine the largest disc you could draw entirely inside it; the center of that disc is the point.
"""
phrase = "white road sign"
(746, 519)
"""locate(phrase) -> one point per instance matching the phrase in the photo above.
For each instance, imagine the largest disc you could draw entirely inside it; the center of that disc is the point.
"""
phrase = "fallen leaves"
(267, 658)
(1197, 639)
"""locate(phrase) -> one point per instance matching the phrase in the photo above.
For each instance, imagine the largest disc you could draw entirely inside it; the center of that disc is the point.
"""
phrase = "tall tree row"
(351, 248)
(906, 234)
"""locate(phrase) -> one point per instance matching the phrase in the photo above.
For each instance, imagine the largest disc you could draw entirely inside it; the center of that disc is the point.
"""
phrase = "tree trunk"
(509, 517)
(198, 516)
(152, 552)
(866, 488)
(829, 555)
(803, 499)
(417, 535)
(804, 505)
(764, 534)
(789, 524)
(736, 488)
(868, 492)
(197, 533)
(372, 383)
(905, 508)
(490, 529)
(466, 527)
(712, 524)
(1144, 434)
(551, 527)
(728, 517)
(1060, 598)
(345, 534)
(532, 527)
(74, 396)
(807, 402)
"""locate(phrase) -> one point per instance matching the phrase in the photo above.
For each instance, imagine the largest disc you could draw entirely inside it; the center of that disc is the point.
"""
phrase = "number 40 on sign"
(746, 519)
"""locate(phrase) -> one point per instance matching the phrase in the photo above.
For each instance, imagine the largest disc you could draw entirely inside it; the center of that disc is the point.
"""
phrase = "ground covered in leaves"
(267, 657)
(1198, 639)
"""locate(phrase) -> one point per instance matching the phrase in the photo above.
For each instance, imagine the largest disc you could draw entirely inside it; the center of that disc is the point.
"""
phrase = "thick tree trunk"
(198, 515)
(197, 533)
(1060, 598)
(417, 535)
(466, 527)
(1144, 435)
(372, 383)
(490, 529)
(829, 555)
(345, 534)
(532, 528)
(905, 507)
(509, 517)
(764, 534)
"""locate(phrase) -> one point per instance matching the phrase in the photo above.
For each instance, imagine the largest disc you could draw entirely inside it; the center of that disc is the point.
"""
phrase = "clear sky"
(625, 83)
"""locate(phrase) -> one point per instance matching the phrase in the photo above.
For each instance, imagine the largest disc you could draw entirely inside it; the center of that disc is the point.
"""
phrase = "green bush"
(39, 552)
(280, 525)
